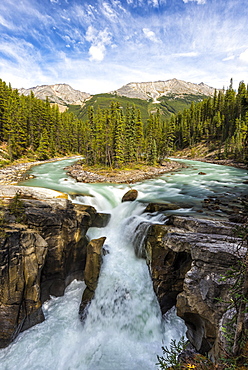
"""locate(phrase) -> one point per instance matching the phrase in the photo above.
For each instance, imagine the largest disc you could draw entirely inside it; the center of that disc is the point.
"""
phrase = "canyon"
(47, 246)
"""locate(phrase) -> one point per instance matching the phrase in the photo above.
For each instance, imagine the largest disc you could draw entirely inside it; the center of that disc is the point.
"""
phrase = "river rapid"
(124, 328)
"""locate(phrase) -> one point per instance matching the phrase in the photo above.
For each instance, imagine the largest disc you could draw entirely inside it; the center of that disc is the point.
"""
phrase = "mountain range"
(170, 96)
(61, 94)
(154, 90)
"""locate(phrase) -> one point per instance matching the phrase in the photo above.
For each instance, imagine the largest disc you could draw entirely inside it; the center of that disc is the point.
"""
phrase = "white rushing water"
(124, 328)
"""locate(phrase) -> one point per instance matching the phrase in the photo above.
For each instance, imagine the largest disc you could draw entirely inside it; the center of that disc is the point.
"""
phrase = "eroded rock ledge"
(187, 259)
(42, 250)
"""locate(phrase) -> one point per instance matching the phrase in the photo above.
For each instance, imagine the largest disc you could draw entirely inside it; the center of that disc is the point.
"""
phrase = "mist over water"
(124, 328)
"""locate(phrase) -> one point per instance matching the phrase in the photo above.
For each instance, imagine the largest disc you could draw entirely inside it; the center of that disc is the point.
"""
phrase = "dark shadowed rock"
(101, 220)
(160, 207)
(130, 196)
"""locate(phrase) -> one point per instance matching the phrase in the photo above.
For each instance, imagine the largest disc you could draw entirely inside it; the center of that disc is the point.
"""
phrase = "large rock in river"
(91, 272)
(131, 195)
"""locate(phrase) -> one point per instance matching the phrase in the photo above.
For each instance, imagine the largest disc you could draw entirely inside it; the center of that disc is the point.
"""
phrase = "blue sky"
(98, 46)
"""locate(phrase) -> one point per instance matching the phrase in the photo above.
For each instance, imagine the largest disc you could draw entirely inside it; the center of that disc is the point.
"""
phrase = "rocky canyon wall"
(43, 248)
(188, 258)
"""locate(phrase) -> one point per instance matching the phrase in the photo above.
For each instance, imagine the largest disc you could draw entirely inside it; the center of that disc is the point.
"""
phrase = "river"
(124, 328)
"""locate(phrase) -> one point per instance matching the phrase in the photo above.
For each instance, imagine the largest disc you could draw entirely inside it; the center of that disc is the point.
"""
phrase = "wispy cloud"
(197, 1)
(122, 40)
(6, 23)
(189, 54)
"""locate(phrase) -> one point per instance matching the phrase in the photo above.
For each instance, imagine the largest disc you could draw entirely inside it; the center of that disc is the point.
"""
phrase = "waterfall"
(124, 328)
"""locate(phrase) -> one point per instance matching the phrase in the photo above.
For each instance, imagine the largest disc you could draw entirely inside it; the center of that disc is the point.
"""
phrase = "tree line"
(117, 136)
(221, 121)
(32, 127)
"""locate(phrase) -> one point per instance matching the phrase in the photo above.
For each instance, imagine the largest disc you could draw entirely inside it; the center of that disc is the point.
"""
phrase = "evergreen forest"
(117, 135)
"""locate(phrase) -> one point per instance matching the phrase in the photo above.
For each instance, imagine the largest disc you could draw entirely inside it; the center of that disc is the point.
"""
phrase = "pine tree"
(43, 149)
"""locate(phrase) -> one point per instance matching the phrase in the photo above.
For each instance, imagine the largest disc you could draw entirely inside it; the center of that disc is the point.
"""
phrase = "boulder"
(130, 196)
(91, 272)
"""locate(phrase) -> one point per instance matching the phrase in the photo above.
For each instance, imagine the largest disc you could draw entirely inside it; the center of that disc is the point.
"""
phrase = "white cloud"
(97, 52)
(197, 1)
(244, 56)
(150, 35)
(99, 40)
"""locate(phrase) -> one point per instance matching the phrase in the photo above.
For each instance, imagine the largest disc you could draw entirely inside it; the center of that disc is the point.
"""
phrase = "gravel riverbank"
(13, 174)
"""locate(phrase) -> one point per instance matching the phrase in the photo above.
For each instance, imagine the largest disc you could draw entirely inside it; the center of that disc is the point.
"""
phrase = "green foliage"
(43, 148)
(16, 207)
(171, 104)
(170, 355)
(103, 101)
(29, 125)
(221, 121)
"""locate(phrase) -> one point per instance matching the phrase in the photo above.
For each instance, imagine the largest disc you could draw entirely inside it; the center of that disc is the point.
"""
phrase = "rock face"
(22, 258)
(41, 253)
(61, 94)
(153, 90)
(187, 259)
(91, 273)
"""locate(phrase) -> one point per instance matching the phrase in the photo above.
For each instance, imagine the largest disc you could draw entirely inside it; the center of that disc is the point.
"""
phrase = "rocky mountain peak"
(61, 94)
(154, 90)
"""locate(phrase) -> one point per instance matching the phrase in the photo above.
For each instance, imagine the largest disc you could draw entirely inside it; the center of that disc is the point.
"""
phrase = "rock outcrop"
(91, 273)
(187, 259)
(22, 258)
(43, 248)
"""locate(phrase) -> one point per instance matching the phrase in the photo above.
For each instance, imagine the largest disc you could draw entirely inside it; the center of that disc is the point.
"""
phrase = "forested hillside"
(222, 121)
(114, 135)
(31, 127)
(167, 104)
